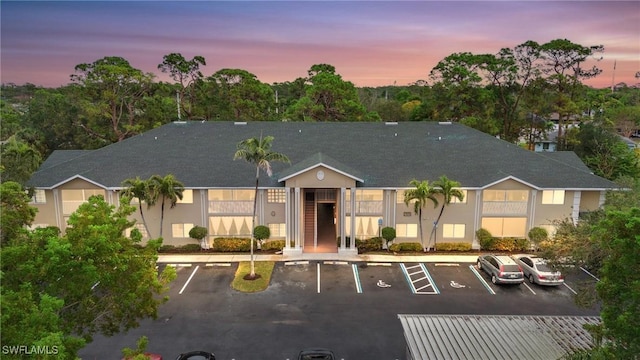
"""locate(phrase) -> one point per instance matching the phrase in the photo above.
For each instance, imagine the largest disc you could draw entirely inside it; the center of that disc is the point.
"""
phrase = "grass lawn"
(263, 270)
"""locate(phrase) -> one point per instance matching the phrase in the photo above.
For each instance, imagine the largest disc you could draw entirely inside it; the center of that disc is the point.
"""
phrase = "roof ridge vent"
(391, 123)
(444, 122)
(239, 123)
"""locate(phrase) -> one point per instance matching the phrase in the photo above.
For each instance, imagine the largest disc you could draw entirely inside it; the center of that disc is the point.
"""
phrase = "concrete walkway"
(217, 258)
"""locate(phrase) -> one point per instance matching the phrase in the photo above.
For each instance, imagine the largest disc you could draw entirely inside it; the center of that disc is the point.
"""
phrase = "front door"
(320, 221)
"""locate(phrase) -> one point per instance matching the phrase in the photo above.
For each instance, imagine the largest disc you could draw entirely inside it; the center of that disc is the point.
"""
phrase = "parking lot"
(350, 307)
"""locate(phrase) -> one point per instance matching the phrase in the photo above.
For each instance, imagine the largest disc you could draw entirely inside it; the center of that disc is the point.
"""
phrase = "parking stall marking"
(588, 273)
(570, 289)
(356, 277)
(188, 280)
(528, 287)
(419, 274)
(486, 285)
(318, 267)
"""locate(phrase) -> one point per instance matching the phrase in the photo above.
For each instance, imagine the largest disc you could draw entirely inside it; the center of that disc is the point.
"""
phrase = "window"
(230, 226)
(181, 230)
(455, 231)
(39, 197)
(278, 229)
(555, 197)
(506, 195)
(276, 195)
(505, 227)
(223, 201)
(505, 202)
(454, 200)
(367, 201)
(407, 230)
(187, 197)
(72, 199)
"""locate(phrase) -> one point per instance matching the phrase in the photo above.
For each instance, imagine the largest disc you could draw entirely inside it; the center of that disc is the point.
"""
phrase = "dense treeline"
(520, 94)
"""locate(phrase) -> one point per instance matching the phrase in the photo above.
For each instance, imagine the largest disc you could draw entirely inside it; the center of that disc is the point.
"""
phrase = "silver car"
(538, 271)
(501, 268)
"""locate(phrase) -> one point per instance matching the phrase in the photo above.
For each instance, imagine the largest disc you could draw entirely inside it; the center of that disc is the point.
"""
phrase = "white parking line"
(189, 279)
(530, 289)
(356, 277)
(296, 263)
(568, 287)
(588, 273)
(218, 264)
(486, 285)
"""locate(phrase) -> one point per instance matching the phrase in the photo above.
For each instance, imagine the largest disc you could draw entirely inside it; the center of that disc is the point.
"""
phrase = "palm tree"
(138, 189)
(167, 187)
(420, 194)
(257, 152)
(449, 189)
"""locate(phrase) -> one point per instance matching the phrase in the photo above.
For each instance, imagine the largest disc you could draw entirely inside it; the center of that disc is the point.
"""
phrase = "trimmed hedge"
(406, 246)
(273, 245)
(232, 244)
(188, 248)
(454, 246)
(373, 244)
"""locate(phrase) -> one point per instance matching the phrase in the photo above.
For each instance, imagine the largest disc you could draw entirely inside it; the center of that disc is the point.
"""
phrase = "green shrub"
(198, 232)
(406, 246)
(388, 234)
(537, 235)
(232, 244)
(485, 238)
(167, 249)
(503, 244)
(261, 232)
(373, 244)
(189, 248)
(522, 244)
(454, 246)
(273, 245)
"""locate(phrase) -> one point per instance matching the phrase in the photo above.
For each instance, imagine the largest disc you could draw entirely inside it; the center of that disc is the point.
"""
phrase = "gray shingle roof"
(495, 336)
(200, 154)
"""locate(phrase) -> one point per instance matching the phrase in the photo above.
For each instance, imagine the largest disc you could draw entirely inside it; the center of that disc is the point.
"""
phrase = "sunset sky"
(371, 43)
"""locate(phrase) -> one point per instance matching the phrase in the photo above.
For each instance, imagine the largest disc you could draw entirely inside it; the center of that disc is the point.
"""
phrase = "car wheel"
(494, 279)
(531, 278)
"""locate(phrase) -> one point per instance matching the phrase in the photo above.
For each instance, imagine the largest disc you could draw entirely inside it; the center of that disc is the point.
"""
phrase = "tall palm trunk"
(161, 216)
(253, 221)
(144, 222)
(434, 232)
(420, 226)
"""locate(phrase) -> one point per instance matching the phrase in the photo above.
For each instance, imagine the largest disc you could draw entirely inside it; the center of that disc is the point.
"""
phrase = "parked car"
(316, 354)
(196, 355)
(538, 271)
(501, 268)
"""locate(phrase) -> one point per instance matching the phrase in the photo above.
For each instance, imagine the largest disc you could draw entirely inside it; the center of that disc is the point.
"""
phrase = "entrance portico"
(316, 209)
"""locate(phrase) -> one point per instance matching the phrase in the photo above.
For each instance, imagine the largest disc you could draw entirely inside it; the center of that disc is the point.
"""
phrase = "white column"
(575, 212)
(352, 244)
(287, 218)
(296, 214)
(342, 216)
